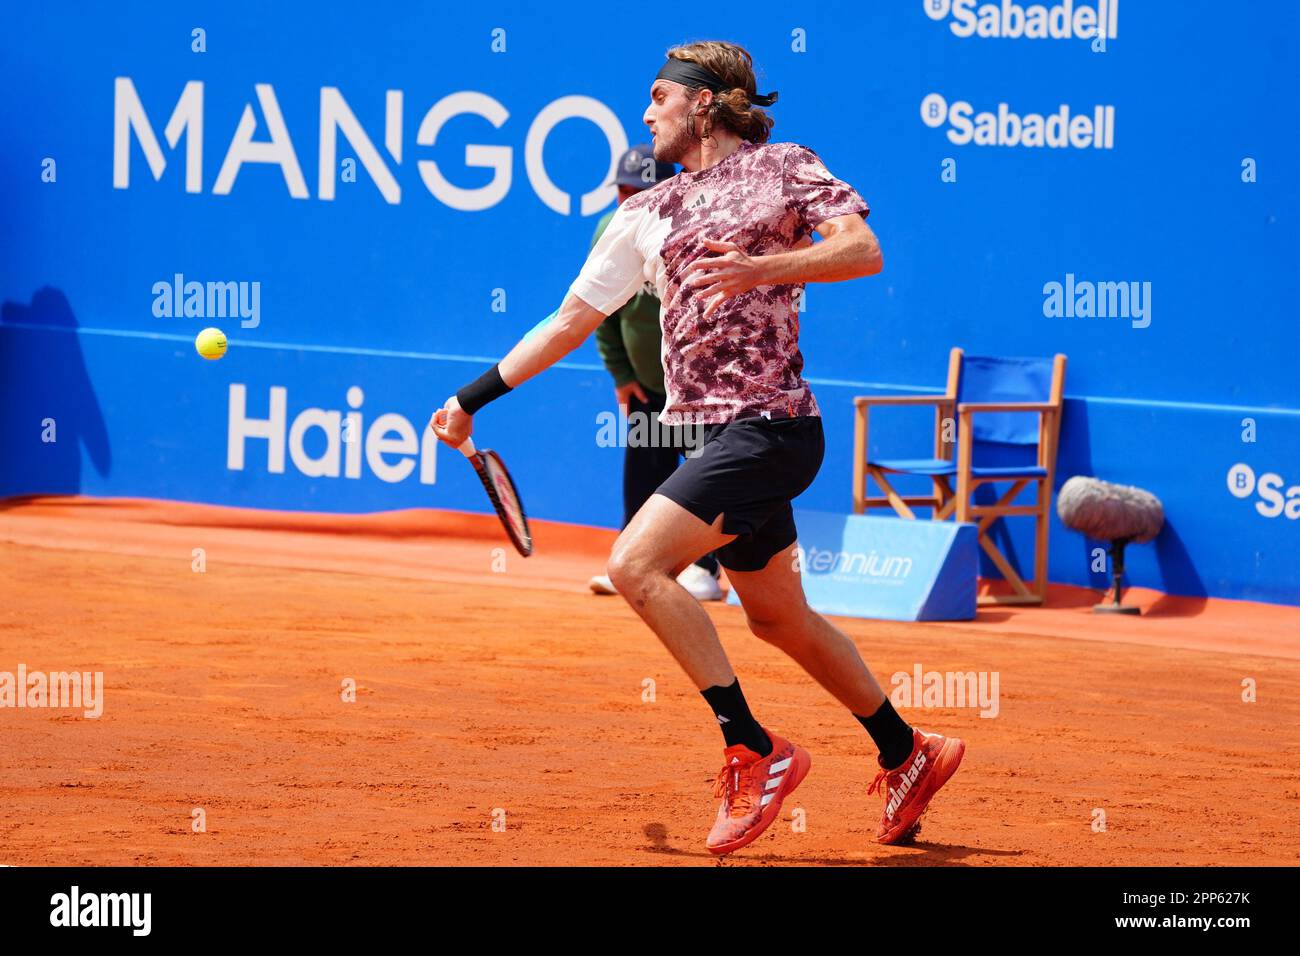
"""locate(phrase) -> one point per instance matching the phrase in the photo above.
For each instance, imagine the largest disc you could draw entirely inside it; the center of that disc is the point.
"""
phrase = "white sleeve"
(614, 270)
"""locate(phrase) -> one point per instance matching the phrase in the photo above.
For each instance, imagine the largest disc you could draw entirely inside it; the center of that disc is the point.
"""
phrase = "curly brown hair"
(731, 109)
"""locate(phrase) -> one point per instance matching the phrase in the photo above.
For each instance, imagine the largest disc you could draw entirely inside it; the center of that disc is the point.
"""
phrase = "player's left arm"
(848, 250)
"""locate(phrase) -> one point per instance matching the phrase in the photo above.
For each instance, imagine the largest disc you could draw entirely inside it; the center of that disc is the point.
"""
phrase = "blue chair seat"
(938, 466)
(915, 466)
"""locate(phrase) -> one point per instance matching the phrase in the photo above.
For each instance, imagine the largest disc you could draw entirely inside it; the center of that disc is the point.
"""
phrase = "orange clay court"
(479, 689)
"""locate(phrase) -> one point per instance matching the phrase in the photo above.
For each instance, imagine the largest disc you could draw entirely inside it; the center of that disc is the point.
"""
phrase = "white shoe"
(702, 585)
(601, 584)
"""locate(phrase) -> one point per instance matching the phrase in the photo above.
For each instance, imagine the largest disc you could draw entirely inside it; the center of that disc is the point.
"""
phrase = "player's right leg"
(759, 769)
(661, 539)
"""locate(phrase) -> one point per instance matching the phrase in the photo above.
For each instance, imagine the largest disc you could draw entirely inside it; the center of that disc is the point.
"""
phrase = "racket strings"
(501, 488)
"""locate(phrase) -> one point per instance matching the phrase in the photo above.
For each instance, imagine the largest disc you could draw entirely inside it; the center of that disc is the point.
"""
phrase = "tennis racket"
(501, 491)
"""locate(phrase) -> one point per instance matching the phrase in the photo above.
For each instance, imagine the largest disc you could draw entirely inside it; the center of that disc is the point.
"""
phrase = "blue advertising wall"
(431, 243)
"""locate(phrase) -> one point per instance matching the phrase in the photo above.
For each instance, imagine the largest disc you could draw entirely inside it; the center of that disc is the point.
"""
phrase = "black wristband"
(486, 388)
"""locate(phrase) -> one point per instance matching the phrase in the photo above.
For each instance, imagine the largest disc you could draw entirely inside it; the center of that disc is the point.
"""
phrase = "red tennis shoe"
(752, 788)
(909, 787)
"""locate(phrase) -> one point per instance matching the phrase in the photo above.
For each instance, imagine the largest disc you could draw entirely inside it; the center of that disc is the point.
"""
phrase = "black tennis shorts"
(749, 471)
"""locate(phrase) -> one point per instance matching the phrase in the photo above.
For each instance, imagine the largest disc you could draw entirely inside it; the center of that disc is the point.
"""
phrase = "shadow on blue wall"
(48, 406)
(1177, 572)
(1171, 555)
(1075, 458)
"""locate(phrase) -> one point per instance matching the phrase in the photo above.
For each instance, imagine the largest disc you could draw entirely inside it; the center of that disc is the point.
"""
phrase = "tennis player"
(722, 243)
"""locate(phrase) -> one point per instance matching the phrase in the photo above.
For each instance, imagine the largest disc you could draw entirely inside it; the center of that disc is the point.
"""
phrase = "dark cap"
(639, 169)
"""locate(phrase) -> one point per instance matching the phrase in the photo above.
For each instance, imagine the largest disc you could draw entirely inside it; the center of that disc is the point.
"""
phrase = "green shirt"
(629, 340)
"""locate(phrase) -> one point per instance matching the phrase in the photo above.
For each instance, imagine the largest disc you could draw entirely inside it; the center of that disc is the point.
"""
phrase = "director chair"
(1002, 418)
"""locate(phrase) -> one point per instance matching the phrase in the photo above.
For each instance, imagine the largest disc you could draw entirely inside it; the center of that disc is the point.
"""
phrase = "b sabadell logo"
(1065, 127)
(1066, 20)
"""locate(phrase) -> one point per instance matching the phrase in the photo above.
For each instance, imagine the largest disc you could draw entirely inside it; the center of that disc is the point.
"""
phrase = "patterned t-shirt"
(742, 361)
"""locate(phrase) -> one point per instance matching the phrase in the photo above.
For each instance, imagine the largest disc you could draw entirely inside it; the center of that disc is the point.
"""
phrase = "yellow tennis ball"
(211, 343)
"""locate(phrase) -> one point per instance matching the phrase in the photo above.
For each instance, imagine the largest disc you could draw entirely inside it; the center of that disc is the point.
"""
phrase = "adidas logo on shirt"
(700, 200)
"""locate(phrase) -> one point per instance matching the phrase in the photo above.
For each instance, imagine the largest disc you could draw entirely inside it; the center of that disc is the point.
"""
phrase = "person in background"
(629, 342)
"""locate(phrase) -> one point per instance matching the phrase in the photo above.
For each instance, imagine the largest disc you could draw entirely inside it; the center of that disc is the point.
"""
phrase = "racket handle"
(466, 447)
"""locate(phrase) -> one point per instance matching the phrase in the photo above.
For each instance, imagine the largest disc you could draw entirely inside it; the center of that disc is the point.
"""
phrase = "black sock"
(738, 724)
(891, 733)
